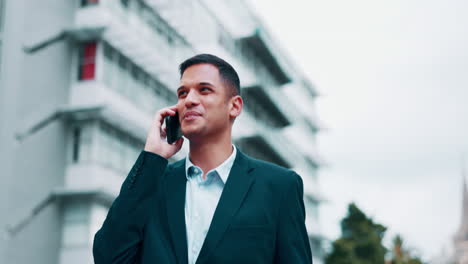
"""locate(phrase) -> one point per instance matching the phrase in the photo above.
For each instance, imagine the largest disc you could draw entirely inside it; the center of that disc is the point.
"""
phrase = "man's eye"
(181, 93)
(204, 89)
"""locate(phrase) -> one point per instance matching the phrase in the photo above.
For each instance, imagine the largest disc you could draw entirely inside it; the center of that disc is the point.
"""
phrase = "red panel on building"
(88, 61)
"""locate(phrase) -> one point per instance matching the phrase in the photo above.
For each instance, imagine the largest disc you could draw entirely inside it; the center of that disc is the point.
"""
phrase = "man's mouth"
(191, 115)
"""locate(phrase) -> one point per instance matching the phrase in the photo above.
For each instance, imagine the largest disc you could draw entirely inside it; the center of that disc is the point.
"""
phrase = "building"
(461, 236)
(79, 83)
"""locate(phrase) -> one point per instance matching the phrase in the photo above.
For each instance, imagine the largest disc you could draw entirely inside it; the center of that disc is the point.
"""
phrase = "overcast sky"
(393, 77)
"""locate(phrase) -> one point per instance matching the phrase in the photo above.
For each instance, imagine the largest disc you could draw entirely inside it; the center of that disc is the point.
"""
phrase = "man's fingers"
(173, 107)
(159, 116)
(178, 143)
(156, 139)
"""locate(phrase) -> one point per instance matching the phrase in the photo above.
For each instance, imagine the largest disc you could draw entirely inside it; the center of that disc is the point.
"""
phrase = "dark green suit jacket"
(259, 218)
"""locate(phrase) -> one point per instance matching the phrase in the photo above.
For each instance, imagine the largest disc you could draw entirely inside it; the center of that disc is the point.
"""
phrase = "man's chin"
(191, 133)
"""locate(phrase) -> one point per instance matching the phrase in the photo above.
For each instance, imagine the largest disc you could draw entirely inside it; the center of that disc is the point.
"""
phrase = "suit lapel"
(235, 189)
(175, 204)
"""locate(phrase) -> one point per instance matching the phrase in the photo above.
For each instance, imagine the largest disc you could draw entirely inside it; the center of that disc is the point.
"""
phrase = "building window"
(89, 2)
(76, 224)
(87, 67)
(116, 149)
(76, 144)
(81, 142)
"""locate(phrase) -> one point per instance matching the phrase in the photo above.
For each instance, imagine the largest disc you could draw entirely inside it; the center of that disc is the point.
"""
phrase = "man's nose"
(191, 99)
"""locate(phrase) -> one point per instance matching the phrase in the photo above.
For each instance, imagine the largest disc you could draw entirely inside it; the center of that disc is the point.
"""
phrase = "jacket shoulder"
(273, 173)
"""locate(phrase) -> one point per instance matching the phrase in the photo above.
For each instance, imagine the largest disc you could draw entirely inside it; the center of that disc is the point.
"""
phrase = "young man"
(215, 206)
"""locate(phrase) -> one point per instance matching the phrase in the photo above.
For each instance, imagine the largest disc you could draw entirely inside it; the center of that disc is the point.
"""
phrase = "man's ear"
(236, 106)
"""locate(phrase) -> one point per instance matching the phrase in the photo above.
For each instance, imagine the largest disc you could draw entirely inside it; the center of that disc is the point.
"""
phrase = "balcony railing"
(132, 82)
(273, 137)
(198, 25)
(256, 46)
(141, 35)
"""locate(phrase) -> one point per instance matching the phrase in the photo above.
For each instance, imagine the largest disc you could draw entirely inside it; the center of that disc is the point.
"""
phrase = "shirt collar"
(223, 169)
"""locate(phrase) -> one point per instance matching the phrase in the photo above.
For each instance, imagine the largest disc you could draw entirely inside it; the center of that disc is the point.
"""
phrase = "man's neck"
(209, 155)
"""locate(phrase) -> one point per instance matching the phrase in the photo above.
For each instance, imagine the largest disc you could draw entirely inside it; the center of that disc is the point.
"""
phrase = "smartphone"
(173, 132)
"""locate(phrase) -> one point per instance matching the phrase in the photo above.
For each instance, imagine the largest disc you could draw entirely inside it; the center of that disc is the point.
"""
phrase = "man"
(215, 206)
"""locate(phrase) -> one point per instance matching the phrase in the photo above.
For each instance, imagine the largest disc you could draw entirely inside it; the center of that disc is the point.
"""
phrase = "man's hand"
(156, 139)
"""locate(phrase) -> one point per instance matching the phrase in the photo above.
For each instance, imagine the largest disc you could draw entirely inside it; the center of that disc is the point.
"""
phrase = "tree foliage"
(360, 242)
(401, 255)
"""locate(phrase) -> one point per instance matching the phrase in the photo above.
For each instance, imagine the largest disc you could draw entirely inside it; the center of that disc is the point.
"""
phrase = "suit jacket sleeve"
(119, 239)
(292, 244)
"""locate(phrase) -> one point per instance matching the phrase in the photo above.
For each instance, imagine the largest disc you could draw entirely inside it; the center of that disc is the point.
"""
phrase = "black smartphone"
(173, 132)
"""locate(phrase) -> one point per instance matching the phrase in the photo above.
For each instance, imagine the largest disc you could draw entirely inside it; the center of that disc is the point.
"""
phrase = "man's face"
(204, 106)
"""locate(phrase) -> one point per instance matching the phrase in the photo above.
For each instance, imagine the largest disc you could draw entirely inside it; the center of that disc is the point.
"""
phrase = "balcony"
(117, 110)
(84, 210)
(273, 144)
(132, 82)
(257, 45)
(303, 94)
(256, 146)
(198, 26)
(93, 179)
(263, 106)
(277, 111)
(305, 141)
(137, 38)
(274, 101)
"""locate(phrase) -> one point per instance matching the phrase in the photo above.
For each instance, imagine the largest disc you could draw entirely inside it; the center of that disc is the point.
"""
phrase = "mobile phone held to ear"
(173, 132)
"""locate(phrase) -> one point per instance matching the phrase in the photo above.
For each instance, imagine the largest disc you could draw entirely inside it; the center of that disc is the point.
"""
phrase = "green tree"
(360, 242)
(400, 255)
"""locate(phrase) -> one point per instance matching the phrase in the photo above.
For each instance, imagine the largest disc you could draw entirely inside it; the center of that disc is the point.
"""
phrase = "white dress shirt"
(201, 198)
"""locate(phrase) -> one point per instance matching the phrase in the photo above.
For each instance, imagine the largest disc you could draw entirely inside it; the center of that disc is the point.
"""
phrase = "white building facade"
(79, 83)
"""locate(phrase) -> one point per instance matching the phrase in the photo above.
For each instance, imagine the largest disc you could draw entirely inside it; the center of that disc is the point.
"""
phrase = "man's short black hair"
(226, 71)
